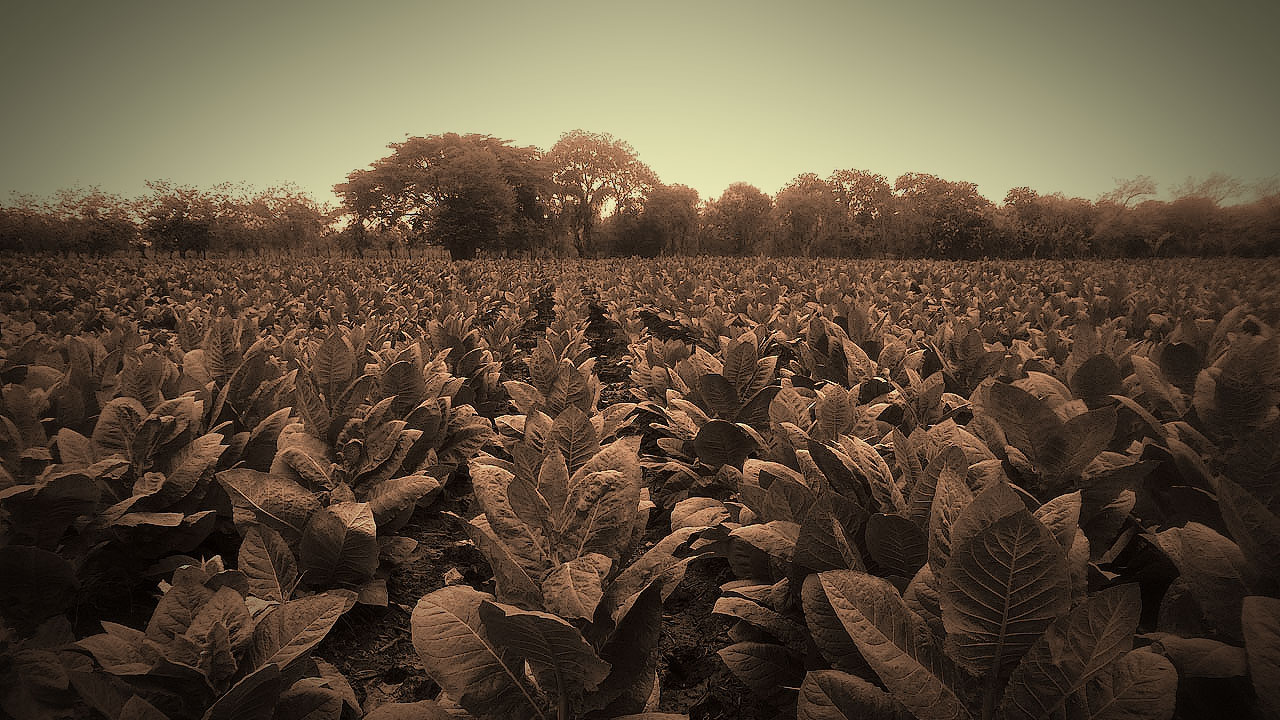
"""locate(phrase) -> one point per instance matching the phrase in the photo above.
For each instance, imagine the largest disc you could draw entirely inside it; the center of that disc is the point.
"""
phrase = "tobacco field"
(236, 489)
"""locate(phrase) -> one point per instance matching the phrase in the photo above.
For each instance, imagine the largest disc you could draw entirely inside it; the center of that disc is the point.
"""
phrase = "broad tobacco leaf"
(663, 566)
(1140, 685)
(897, 545)
(1073, 650)
(768, 669)
(38, 584)
(896, 643)
(598, 516)
(632, 653)
(476, 651)
(1058, 450)
(563, 662)
(272, 500)
(1212, 567)
(574, 589)
(290, 631)
(1261, 620)
(834, 695)
(1001, 588)
(268, 564)
(720, 442)
(339, 546)
(1253, 526)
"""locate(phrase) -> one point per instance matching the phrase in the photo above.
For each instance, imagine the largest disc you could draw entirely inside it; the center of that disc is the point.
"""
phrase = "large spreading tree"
(593, 172)
(463, 192)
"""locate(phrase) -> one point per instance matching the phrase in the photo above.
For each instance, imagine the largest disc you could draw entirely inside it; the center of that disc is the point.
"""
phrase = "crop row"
(943, 490)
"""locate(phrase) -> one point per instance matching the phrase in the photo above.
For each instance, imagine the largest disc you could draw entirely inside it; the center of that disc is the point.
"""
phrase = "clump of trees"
(170, 219)
(590, 195)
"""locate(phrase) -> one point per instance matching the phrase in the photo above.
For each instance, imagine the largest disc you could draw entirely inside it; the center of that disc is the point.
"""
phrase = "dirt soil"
(372, 646)
(694, 679)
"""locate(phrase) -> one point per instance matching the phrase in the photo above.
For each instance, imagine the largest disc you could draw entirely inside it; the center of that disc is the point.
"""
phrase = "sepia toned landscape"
(846, 391)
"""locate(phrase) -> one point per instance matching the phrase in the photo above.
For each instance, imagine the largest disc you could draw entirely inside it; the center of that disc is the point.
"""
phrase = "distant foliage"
(590, 195)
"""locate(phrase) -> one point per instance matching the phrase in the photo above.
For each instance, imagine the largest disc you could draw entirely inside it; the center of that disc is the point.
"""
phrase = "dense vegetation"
(627, 489)
(591, 196)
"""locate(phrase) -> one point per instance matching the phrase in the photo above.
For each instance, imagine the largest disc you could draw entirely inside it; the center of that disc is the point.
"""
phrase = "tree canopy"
(591, 195)
(464, 192)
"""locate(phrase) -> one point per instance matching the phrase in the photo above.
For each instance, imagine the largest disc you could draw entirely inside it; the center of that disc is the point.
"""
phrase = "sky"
(1062, 97)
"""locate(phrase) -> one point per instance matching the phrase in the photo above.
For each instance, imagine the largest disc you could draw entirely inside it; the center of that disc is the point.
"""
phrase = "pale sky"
(1066, 97)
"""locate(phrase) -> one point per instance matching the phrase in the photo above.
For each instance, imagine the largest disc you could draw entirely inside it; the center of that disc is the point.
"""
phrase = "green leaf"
(340, 545)
(896, 643)
(1075, 648)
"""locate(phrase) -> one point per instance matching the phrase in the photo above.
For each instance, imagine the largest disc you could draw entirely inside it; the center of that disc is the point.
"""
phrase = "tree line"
(170, 218)
(590, 195)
